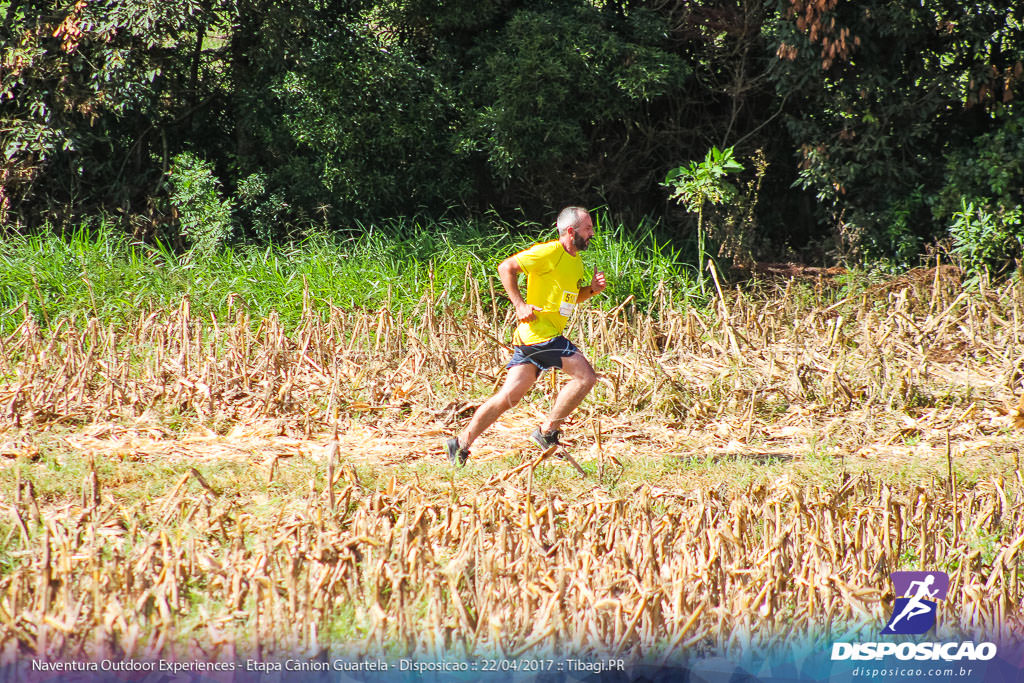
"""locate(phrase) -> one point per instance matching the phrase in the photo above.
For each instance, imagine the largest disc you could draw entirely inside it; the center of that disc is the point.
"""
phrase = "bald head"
(570, 217)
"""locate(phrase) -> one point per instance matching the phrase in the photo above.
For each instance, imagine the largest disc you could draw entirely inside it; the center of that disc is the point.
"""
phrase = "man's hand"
(598, 284)
(525, 312)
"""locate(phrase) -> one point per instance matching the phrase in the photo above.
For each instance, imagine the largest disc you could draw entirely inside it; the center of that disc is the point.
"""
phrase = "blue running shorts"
(545, 355)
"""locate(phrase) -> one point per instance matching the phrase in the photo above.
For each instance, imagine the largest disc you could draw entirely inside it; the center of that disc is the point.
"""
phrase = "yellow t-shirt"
(553, 281)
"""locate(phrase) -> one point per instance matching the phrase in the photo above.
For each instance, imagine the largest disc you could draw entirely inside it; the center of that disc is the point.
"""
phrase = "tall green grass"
(100, 273)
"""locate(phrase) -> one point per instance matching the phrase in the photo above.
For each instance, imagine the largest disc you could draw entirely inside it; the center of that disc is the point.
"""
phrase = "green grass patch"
(98, 272)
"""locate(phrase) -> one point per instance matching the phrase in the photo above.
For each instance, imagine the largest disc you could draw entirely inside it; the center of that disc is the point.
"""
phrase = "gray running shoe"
(545, 440)
(456, 455)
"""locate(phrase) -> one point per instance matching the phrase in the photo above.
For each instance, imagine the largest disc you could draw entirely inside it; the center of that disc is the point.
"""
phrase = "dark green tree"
(335, 120)
(94, 98)
(882, 96)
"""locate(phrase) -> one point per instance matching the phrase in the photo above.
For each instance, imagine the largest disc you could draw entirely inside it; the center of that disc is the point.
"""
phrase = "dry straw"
(504, 571)
(507, 566)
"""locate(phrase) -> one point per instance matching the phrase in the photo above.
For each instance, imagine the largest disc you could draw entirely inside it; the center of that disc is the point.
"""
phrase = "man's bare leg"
(573, 393)
(518, 381)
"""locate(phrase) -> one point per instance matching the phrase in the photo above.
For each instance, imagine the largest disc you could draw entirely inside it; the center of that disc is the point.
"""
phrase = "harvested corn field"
(505, 568)
(739, 476)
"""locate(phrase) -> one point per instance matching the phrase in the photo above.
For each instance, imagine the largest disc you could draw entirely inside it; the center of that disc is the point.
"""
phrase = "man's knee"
(513, 392)
(581, 371)
(589, 379)
(511, 399)
(586, 376)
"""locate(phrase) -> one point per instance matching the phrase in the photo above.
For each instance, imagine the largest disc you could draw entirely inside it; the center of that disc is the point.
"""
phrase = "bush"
(986, 239)
(260, 213)
(204, 216)
(982, 199)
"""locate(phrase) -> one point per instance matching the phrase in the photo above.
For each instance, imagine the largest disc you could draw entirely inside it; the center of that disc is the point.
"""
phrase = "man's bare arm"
(508, 273)
(596, 286)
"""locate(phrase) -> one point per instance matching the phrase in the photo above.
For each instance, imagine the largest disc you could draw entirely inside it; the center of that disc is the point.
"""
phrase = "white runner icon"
(915, 606)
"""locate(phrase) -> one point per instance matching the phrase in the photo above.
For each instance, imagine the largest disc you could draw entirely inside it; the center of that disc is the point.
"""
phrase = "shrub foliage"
(875, 119)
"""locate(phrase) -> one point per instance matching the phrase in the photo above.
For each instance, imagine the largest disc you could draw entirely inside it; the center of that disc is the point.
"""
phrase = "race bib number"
(568, 303)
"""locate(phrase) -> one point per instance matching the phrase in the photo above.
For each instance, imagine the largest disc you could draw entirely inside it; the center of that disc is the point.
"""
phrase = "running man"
(915, 605)
(554, 287)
